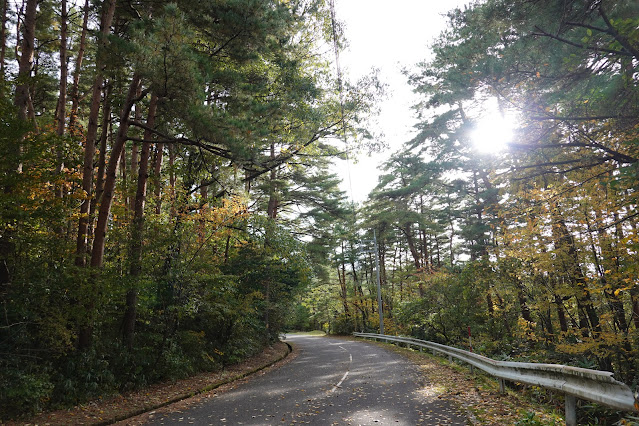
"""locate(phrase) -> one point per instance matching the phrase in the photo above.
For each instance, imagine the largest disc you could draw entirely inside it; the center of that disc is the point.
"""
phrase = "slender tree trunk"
(92, 131)
(137, 230)
(408, 233)
(75, 91)
(25, 63)
(273, 200)
(61, 109)
(603, 263)
(204, 195)
(99, 183)
(3, 36)
(523, 301)
(97, 253)
(561, 313)
(157, 173)
(569, 260)
(125, 183)
(341, 275)
(135, 159)
(634, 296)
(62, 99)
(21, 101)
(172, 180)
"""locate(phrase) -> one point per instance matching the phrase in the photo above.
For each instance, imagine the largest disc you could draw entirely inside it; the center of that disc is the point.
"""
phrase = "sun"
(493, 131)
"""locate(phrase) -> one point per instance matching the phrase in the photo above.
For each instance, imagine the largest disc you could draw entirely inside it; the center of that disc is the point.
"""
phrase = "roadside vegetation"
(528, 253)
(167, 205)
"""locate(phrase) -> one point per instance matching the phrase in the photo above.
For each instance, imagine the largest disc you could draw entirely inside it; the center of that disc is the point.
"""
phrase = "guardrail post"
(502, 386)
(571, 410)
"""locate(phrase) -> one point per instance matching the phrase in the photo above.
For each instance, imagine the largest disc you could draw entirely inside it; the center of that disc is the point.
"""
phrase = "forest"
(168, 204)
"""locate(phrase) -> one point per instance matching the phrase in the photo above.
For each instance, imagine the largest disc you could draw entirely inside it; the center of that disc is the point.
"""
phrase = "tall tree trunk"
(125, 183)
(406, 230)
(341, 275)
(157, 173)
(97, 253)
(75, 91)
(61, 109)
(408, 233)
(25, 63)
(92, 131)
(273, 200)
(137, 230)
(3, 36)
(62, 99)
(204, 195)
(22, 102)
(634, 296)
(561, 313)
(99, 183)
(523, 301)
(172, 180)
(135, 158)
(568, 259)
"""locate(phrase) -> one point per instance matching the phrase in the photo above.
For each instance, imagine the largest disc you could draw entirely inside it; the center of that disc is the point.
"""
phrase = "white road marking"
(350, 356)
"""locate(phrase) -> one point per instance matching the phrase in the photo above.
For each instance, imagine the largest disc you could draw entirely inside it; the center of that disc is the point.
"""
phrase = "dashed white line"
(350, 356)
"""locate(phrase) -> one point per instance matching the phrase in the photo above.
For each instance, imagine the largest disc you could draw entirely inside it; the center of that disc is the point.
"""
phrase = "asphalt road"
(330, 382)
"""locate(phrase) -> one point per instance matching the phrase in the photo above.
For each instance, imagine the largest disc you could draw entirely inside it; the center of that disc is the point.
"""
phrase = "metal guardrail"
(591, 385)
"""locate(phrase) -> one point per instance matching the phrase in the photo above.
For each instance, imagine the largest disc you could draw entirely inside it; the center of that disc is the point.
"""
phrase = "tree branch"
(580, 46)
(625, 43)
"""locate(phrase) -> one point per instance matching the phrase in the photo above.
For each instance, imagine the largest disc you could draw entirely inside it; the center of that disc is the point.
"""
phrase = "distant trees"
(534, 248)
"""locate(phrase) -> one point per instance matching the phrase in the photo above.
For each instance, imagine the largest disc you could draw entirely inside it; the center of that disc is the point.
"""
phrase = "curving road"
(330, 382)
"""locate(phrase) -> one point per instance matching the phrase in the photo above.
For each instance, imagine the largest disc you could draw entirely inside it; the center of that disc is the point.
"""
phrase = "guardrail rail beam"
(574, 382)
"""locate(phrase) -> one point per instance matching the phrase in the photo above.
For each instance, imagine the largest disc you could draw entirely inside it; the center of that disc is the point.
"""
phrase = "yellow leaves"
(538, 74)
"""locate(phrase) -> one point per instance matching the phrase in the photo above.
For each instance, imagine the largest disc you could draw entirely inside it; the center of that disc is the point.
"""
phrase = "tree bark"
(137, 230)
(62, 99)
(97, 253)
(273, 201)
(157, 173)
(25, 63)
(99, 183)
(92, 131)
(569, 261)
(3, 36)
(75, 92)
(172, 180)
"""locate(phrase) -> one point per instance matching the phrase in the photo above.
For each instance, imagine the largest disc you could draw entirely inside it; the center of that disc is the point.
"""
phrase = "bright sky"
(389, 36)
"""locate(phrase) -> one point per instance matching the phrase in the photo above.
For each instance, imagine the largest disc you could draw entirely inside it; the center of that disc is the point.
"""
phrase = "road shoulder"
(476, 394)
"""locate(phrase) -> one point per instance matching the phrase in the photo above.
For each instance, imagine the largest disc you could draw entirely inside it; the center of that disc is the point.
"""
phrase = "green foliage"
(216, 279)
(300, 319)
(530, 419)
(23, 391)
